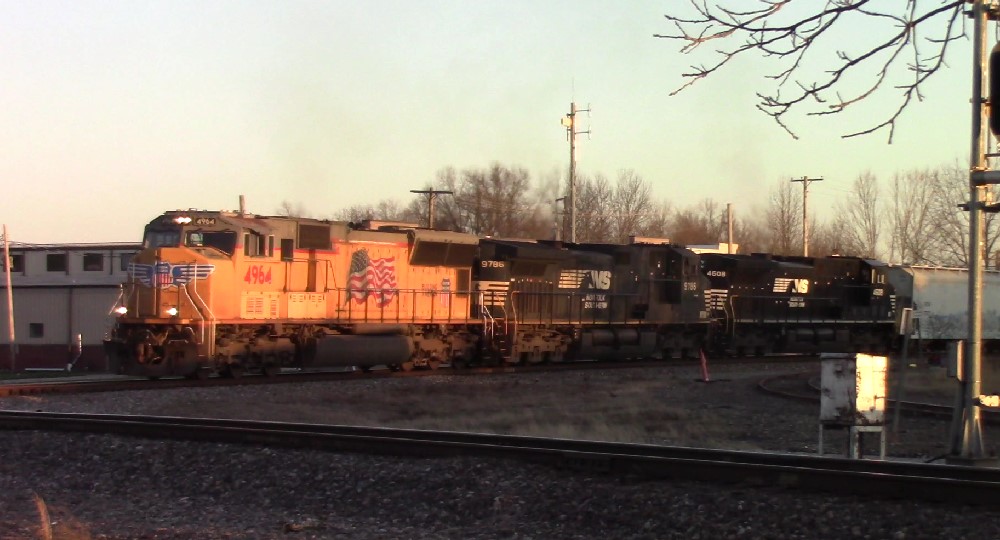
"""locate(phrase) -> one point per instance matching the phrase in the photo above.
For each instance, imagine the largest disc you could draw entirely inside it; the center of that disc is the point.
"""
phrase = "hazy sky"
(114, 111)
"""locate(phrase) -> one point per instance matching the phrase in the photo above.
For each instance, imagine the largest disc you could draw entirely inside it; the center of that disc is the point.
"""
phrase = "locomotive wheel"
(197, 375)
(433, 364)
(271, 370)
(406, 366)
(232, 371)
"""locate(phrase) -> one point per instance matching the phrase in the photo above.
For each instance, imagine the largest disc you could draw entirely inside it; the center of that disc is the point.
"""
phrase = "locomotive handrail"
(193, 287)
(117, 302)
(729, 309)
(436, 312)
(489, 322)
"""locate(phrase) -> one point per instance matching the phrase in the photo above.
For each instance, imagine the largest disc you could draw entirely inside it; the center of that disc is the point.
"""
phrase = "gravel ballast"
(108, 487)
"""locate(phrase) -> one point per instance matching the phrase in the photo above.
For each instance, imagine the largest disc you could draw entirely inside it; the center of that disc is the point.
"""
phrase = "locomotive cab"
(170, 306)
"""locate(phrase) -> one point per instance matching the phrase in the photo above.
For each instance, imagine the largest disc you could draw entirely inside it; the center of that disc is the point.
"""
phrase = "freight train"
(221, 292)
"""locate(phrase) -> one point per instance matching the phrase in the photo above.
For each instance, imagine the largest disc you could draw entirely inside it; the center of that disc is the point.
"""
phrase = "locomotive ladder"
(497, 336)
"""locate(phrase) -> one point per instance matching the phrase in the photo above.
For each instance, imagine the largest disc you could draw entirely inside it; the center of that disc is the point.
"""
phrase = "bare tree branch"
(787, 43)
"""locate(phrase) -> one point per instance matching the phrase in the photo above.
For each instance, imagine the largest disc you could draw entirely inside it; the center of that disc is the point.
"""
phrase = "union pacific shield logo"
(163, 274)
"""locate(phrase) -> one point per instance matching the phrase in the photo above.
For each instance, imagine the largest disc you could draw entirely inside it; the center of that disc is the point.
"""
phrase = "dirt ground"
(666, 405)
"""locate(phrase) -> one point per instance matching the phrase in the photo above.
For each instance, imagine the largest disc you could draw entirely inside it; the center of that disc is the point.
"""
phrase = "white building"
(60, 291)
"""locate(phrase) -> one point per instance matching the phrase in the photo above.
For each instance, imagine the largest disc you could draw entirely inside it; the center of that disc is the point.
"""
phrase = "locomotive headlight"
(172, 312)
(121, 310)
(182, 220)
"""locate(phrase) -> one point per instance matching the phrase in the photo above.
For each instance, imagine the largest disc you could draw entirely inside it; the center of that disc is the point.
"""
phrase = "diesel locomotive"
(230, 292)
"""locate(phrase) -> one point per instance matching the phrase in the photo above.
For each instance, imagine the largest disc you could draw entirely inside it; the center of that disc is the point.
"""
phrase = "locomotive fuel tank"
(361, 350)
(616, 343)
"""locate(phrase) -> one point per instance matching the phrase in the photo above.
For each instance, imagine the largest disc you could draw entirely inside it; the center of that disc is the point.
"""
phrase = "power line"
(431, 197)
(805, 211)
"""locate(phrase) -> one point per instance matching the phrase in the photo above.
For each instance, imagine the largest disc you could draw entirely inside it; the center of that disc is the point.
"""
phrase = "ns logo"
(596, 279)
(791, 285)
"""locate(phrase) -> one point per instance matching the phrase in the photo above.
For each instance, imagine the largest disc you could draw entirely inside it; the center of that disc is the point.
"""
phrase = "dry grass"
(618, 407)
(54, 524)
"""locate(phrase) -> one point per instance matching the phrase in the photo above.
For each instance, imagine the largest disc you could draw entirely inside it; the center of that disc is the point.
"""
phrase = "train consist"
(231, 292)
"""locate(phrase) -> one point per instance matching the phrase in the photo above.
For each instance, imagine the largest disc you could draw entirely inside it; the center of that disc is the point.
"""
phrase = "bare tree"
(290, 209)
(491, 201)
(698, 224)
(896, 60)
(386, 209)
(950, 189)
(657, 224)
(913, 232)
(784, 217)
(594, 209)
(859, 218)
(833, 238)
(631, 205)
(750, 233)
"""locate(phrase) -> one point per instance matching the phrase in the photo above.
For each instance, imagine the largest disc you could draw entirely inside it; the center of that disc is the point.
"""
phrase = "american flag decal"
(163, 274)
(446, 292)
(371, 277)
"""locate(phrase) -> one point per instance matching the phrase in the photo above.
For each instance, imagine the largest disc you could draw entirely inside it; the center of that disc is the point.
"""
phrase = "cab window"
(155, 239)
(257, 245)
(224, 241)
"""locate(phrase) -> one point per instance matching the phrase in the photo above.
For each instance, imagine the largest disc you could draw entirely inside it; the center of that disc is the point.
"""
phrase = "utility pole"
(805, 211)
(431, 197)
(10, 299)
(569, 121)
(557, 218)
(966, 429)
(729, 227)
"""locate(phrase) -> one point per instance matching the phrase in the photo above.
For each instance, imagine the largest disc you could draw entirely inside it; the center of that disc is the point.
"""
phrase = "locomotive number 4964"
(257, 275)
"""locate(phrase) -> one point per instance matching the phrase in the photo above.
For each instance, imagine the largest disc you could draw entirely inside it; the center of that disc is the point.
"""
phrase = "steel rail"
(56, 386)
(892, 479)
(811, 392)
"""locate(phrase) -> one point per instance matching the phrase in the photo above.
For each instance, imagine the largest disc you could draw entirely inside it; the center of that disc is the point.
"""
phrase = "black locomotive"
(547, 300)
(767, 303)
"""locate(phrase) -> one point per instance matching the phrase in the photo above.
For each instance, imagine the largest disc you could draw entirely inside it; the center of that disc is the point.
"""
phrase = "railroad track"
(803, 387)
(75, 386)
(892, 479)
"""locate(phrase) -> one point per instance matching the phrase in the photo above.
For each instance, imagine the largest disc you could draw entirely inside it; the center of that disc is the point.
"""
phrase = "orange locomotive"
(228, 292)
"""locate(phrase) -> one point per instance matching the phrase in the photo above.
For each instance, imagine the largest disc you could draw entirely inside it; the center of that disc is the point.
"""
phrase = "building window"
(36, 330)
(93, 262)
(126, 259)
(16, 263)
(55, 262)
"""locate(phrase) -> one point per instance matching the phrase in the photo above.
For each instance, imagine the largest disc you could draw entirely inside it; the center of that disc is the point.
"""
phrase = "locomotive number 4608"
(257, 275)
